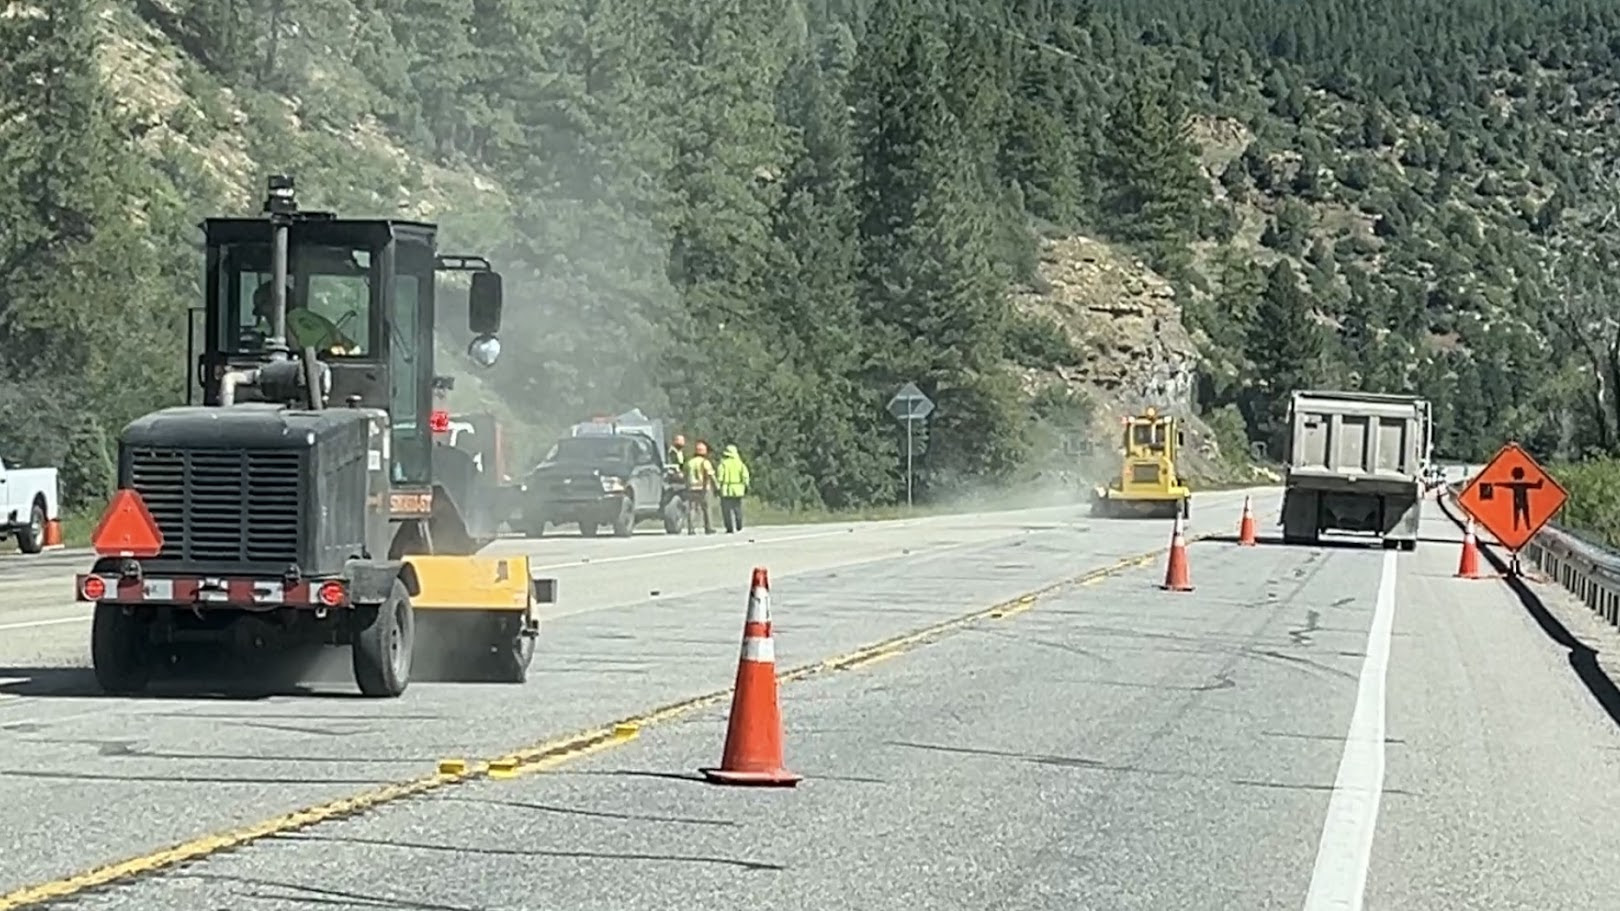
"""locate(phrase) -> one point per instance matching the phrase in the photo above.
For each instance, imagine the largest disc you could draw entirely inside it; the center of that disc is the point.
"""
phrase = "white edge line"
(671, 595)
(621, 558)
(83, 618)
(1344, 855)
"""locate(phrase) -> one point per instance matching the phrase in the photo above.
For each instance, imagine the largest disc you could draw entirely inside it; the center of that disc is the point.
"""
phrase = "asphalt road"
(1309, 723)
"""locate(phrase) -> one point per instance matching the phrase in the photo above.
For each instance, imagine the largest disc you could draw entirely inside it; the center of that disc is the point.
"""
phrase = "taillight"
(94, 588)
(331, 593)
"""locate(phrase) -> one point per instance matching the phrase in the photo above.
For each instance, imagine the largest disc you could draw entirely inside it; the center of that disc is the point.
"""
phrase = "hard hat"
(702, 448)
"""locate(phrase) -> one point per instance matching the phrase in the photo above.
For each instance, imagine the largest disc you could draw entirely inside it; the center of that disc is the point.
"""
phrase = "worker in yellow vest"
(731, 480)
(699, 481)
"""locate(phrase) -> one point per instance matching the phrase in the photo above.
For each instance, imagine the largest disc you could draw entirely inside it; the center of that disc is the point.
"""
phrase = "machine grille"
(222, 506)
(1145, 474)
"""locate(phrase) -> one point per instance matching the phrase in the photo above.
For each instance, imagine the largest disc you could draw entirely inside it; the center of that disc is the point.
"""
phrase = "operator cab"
(359, 293)
(1150, 433)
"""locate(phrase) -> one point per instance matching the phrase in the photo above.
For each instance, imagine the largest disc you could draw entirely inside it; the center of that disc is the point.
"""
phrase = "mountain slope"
(764, 217)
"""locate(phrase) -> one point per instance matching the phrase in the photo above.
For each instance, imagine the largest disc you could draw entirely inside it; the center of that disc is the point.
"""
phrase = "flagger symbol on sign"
(1531, 497)
(1521, 496)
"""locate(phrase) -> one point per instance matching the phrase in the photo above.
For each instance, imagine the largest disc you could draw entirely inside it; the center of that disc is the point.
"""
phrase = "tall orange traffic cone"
(1468, 564)
(53, 534)
(1176, 575)
(753, 751)
(1246, 526)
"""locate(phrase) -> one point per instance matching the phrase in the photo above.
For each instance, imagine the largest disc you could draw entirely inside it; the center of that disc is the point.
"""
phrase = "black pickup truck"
(614, 479)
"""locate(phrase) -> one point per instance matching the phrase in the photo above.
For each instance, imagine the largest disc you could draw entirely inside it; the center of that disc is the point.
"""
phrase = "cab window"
(412, 441)
(1148, 436)
(329, 299)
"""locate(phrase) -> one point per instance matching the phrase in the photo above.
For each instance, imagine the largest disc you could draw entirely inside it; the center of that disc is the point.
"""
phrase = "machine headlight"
(612, 485)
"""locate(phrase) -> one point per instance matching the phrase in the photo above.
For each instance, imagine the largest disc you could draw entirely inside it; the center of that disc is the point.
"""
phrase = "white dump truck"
(1356, 463)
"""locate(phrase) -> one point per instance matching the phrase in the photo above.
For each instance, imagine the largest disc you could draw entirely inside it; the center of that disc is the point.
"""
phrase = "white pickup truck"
(28, 501)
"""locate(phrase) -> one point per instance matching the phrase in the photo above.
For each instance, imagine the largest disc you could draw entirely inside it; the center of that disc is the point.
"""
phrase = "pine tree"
(78, 289)
(1154, 192)
(929, 227)
(1285, 346)
(839, 447)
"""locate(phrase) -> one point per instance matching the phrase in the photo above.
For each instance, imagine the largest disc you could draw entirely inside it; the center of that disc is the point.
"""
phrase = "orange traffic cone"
(1468, 565)
(1246, 526)
(753, 751)
(53, 534)
(1176, 576)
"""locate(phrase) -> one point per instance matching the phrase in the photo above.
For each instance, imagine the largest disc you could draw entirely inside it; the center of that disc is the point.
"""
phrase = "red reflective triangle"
(127, 528)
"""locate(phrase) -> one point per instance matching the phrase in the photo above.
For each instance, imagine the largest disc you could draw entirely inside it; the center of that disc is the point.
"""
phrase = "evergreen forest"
(761, 218)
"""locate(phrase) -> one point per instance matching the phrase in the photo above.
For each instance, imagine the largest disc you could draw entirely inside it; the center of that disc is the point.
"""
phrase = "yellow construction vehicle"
(1147, 484)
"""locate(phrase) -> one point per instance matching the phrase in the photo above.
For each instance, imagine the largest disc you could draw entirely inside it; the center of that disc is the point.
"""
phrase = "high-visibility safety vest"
(731, 477)
(306, 328)
(699, 471)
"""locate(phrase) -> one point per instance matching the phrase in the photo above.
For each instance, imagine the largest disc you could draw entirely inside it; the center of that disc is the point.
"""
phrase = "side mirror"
(484, 304)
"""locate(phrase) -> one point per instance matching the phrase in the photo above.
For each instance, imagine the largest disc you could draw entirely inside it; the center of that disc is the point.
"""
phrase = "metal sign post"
(910, 405)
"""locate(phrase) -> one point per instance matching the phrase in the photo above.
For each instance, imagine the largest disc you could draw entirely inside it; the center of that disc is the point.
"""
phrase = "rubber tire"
(1409, 546)
(512, 659)
(672, 517)
(625, 524)
(588, 529)
(119, 652)
(31, 539)
(383, 648)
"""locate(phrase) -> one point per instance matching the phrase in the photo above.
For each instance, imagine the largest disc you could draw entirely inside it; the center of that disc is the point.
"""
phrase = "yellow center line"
(531, 759)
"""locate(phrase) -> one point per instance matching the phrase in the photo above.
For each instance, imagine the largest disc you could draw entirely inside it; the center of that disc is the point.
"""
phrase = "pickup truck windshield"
(589, 449)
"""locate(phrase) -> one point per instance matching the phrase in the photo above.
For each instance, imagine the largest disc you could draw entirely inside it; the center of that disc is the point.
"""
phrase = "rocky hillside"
(1125, 321)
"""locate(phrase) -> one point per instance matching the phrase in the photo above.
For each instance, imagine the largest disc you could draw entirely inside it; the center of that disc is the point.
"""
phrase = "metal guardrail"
(1586, 569)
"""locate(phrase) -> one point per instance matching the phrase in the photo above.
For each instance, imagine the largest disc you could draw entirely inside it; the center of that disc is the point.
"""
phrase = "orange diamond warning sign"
(1513, 497)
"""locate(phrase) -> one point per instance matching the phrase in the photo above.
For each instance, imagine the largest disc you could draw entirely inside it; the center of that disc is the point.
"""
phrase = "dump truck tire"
(383, 646)
(672, 517)
(119, 652)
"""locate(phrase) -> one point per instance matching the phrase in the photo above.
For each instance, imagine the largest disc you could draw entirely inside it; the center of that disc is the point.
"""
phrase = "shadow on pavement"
(80, 683)
(1277, 541)
(1329, 543)
(1583, 659)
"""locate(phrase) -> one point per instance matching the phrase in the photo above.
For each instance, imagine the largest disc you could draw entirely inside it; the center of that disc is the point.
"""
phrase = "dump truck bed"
(1341, 440)
(1356, 463)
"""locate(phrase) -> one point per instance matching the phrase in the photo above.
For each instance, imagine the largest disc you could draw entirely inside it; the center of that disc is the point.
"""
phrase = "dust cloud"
(589, 312)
